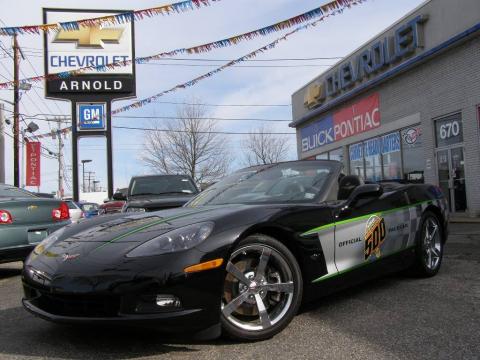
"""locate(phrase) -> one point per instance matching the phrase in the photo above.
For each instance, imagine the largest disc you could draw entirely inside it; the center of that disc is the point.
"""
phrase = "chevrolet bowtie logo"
(314, 95)
(92, 37)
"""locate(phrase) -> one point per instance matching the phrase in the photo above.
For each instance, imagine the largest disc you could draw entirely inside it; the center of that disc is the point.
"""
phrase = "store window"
(356, 160)
(373, 164)
(336, 154)
(413, 158)
(391, 156)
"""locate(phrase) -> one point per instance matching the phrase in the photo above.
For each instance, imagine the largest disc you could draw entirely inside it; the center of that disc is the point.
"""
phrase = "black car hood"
(150, 202)
(109, 238)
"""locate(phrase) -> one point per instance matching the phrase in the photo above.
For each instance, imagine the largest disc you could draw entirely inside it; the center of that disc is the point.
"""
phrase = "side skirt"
(357, 275)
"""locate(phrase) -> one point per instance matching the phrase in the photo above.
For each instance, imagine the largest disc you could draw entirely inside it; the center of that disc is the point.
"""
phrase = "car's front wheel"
(429, 252)
(262, 289)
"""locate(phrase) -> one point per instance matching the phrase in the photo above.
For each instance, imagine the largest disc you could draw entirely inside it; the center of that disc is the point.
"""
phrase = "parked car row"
(25, 220)
(31, 217)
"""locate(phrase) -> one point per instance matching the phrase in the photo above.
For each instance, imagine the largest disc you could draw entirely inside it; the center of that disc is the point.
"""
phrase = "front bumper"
(170, 320)
(129, 297)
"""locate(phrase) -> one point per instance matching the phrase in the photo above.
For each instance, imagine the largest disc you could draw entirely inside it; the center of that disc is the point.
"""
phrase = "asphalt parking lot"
(392, 318)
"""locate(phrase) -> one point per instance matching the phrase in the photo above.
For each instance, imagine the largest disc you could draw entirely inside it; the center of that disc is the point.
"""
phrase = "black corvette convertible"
(240, 256)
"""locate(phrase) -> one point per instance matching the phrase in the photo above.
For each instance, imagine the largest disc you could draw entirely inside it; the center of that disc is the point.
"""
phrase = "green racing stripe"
(363, 217)
(153, 223)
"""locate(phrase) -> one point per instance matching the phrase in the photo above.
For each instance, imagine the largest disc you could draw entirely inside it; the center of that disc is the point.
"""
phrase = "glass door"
(457, 173)
(451, 177)
(444, 174)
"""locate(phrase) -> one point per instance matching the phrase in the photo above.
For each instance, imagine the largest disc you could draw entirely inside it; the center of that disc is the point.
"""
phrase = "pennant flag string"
(337, 8)
(322, 11)
(121, 18)
(341, 6)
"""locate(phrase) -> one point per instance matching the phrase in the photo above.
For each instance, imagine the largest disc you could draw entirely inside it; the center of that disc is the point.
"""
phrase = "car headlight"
(48, 241)
(176, 240)
(135, 209)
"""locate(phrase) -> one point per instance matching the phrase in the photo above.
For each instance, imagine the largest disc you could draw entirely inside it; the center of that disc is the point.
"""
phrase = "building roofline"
(389, 74)
(391, 27)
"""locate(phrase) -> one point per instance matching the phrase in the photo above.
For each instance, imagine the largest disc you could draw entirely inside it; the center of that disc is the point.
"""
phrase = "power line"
(200, 118)
(43, 148)
(226, 105)
(67, 117)
(242, 66)
(39, 50)
(181, 118)
(200, 132)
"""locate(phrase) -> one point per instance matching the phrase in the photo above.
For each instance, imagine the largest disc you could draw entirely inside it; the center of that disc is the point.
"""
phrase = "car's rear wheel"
(429, 252)
(262, 289)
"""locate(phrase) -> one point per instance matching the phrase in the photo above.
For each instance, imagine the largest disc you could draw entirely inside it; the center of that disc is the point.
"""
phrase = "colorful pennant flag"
(121, 18)
(325, 10)
(337, 8)
(334, 8)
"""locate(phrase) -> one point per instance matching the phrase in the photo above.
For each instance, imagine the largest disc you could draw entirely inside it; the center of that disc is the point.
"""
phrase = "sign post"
(92, 92)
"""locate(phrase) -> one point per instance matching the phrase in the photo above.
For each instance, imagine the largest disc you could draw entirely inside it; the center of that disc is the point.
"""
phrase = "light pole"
(95, 182)
(83, 171)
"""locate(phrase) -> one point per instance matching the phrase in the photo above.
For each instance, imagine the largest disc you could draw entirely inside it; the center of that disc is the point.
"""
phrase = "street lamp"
(83, 171)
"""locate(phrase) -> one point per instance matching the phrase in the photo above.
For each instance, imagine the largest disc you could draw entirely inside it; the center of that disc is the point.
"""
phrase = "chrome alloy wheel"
(258, 288)
(432, 243)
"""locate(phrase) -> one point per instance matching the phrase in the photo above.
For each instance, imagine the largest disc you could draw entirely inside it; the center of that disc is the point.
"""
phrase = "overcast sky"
(335, 37)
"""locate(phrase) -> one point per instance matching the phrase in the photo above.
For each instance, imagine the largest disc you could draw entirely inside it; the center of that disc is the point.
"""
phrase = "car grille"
(74, 305)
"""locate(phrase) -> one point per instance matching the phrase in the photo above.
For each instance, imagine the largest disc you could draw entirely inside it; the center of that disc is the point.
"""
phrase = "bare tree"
(189, 145)
(262, 147)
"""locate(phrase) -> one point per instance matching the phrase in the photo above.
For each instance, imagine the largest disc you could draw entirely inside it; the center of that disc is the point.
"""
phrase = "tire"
(429, 250)
(254, 304)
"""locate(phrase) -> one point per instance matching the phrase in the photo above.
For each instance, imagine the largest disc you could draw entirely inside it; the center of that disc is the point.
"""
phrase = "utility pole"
(60, 162)
(2, 145)
(89, 179)
(16, 119)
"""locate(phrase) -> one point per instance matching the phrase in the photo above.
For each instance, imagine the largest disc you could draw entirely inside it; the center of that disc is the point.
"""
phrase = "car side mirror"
(366, 191)
(119, 196)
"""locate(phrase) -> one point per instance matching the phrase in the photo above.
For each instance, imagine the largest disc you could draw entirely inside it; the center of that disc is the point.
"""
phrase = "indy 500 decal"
(375, 233)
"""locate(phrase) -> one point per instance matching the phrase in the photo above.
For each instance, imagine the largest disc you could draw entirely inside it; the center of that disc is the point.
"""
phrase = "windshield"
(71, 205)
(291, 182)
(159, 185)
(13, 192)
(89, 207)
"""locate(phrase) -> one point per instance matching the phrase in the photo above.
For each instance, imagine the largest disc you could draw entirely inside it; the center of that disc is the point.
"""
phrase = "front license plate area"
(35, 236)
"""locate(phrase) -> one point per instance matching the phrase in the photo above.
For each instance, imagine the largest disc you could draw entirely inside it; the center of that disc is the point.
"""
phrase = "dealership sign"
(94, 46)
(33, 163)
(357, 118)
(373, 60)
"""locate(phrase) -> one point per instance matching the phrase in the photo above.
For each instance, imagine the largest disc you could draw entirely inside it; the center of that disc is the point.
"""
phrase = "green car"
(25, 220)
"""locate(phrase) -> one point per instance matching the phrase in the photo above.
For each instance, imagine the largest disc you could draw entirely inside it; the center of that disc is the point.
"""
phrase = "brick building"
(405, 105)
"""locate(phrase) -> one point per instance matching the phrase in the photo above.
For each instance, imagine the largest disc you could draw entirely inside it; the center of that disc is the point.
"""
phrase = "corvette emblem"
(32, 207)
(66, 257)
(374, 236)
